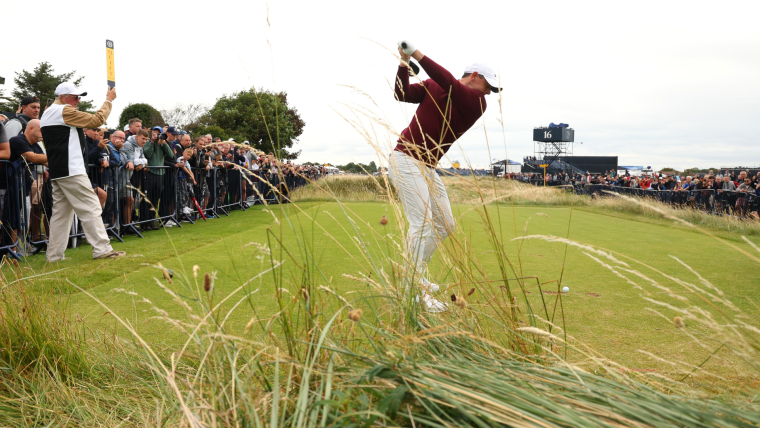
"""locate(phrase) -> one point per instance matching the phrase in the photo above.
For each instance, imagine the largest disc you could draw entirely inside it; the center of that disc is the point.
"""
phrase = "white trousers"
(426, 205)
(74, 195)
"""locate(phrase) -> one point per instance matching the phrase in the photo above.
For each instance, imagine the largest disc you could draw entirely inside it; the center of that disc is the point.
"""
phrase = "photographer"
(155, 151)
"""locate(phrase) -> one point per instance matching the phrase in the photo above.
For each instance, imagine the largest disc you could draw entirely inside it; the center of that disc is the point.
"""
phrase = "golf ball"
(565, 289)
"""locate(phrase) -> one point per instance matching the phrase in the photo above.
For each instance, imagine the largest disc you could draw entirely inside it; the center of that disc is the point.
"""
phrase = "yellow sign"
(543, 166)
(110, 64)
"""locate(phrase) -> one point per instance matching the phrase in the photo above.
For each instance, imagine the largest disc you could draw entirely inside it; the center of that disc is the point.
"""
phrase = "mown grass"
(283, 349)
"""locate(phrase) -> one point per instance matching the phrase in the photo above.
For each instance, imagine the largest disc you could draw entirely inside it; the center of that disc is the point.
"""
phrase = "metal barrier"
(133, 200)
(152, 195)
(14, 212)
(713, 201)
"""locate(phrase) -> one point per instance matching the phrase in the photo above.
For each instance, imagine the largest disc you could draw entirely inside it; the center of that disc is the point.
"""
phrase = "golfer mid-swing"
(448, 108)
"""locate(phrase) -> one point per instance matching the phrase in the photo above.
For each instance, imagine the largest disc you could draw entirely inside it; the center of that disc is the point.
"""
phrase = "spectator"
(743, 191)
(30, 109)
(5, 154)
(135, 159)
(134, 125)
(97, 157)
(201, 164)
(155, 151)
(25, 147)
(172, 137)
(61, 128)
(185, 177)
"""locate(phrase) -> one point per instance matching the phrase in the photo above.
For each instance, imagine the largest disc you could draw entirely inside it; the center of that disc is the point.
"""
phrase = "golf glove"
(407, 47)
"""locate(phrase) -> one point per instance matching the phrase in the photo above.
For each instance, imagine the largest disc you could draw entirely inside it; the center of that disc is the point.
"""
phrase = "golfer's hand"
(407, 47)
(111, 94)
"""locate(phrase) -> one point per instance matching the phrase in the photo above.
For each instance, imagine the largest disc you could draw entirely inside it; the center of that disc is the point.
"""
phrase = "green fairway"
(601, 310)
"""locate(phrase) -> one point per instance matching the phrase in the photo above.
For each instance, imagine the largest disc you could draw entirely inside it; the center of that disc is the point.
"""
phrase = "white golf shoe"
(432, 304)
(429, 285)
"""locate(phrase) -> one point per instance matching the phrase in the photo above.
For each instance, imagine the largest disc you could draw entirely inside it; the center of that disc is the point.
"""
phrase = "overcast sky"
(660, 83)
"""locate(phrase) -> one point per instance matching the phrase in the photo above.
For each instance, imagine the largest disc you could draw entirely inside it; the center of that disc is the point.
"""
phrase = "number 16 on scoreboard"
(110, 64)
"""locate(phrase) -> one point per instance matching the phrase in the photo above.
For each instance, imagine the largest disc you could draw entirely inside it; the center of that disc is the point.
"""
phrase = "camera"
(163, 137)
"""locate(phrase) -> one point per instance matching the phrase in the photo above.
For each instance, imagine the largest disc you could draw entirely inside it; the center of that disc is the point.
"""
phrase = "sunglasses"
(76, 97)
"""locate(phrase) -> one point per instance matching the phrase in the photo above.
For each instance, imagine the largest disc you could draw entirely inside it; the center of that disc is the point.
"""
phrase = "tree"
(667, 168)
(214, 130)
(41, 83)
(150, 116)
(185, 116)
(359, 168)
(261, 117)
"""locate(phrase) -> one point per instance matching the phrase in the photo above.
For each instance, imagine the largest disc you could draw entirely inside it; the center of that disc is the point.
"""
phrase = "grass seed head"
(384, 221)
(196, 269)
(453, 297)
(461, 303)
(207, 283)
(355, 315)
(678, 322)
(472, 290)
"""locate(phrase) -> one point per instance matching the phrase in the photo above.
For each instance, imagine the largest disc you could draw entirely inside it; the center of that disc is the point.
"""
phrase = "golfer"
(61, 126)
(448, 108)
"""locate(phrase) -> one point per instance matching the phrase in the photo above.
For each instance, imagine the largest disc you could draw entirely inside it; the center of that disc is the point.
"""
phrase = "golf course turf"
(602, 310)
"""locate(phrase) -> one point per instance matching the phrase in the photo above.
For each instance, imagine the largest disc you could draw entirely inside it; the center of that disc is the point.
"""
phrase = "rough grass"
(305, 320)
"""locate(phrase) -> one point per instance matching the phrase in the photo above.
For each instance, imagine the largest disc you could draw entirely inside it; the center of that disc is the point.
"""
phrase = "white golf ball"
(565, 289)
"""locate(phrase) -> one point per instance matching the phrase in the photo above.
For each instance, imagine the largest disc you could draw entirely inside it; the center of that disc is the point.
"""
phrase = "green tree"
(214, 130)
(359, 168)
(41, 83)
(150, 116)
(261, 117)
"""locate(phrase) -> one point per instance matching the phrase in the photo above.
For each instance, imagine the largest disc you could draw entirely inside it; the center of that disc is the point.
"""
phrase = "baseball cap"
(246, 143)
(486, 71)
(29, 100)
(157, 127)
(68, 88)
(232, 139)
(172, 130)
(126, 127)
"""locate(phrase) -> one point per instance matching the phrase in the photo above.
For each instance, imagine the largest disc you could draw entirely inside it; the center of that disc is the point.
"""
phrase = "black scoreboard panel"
(554, 134)
(592, 164)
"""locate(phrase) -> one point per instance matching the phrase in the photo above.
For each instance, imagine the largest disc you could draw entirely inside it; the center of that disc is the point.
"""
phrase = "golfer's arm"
(404, 91)
(440, 75)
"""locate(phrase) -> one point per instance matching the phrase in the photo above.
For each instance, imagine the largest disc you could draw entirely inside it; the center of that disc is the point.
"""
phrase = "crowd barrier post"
(13, 209)
(41, 192)
(104, 182)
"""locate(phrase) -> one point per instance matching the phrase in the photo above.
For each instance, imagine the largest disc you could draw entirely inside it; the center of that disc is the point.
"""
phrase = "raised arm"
(402, 89)
(438, 74)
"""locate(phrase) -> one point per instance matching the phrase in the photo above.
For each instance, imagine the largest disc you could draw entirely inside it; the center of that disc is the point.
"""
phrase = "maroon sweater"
(428, 137)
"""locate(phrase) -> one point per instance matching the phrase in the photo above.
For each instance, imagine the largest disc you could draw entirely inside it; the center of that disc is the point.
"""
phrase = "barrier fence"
(714, 201)
(133, 200)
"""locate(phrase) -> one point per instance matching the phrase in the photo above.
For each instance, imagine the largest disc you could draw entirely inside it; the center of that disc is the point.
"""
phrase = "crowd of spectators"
(144, 178)
(724, 192)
